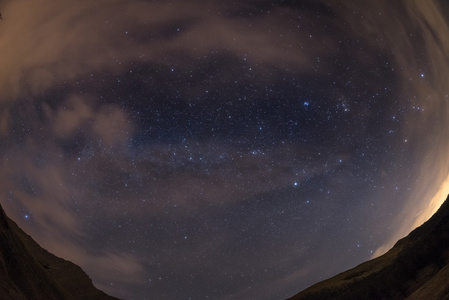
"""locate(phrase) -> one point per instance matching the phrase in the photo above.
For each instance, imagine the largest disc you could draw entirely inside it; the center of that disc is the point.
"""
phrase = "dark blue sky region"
(215, 150)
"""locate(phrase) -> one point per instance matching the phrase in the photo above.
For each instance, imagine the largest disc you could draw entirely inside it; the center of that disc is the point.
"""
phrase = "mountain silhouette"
(417, 267)
(28, 271)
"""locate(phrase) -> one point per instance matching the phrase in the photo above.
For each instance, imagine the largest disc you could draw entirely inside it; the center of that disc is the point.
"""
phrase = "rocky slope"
(28, 271)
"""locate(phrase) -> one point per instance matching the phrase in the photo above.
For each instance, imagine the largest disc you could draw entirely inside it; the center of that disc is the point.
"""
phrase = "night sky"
(222, 149)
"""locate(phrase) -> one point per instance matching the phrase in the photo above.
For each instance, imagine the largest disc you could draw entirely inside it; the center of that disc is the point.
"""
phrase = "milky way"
(205, 149)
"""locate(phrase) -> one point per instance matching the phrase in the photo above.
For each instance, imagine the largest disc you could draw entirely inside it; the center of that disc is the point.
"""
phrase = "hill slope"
(28, 271)
(417, 267)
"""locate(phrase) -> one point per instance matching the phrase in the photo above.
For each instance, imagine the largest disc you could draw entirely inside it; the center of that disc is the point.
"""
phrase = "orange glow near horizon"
(420, 218)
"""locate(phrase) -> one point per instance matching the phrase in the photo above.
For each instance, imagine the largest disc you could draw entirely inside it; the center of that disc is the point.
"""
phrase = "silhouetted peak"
(28, 271)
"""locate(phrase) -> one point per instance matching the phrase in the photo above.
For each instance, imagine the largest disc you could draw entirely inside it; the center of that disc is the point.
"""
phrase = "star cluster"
(221, 150)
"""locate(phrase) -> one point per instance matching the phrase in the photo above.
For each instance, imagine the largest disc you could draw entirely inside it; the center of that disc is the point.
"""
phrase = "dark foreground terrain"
(28, 271)
(417, 267)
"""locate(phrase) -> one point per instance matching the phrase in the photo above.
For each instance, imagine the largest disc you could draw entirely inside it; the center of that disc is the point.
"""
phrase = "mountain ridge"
(27, 271)
(417, 267)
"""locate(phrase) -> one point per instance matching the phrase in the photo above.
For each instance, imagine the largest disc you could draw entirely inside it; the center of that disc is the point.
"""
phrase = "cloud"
(43, 181)
(71, 116)
(121, 269)
(109, 124)
(38, 183)
(49, 42)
